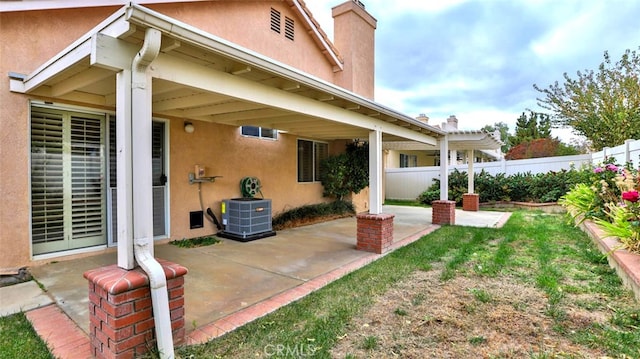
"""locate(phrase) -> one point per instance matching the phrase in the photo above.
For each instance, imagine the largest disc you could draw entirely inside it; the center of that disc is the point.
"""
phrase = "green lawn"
(533, 250)
(19, 340)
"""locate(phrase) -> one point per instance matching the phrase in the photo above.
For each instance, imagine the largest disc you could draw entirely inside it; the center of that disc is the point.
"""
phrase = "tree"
(503, 128)
(539, 147)
(347, 172)
(603, 106)
(533, 139)
(530, 127)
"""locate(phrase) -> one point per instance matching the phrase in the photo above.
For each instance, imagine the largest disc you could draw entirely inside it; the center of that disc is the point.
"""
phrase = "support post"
(375, 172)
(124, 160)
(375, 232)
(121, 320)
(471, 174)
(443, 212)
(444, 168)
(470, 200)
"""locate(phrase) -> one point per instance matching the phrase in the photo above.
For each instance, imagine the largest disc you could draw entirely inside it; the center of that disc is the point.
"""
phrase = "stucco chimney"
(354, 36)
(423, 118)
(452, 122)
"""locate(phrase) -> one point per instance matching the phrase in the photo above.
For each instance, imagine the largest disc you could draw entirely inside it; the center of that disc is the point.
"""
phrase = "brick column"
(121, 321)
(375, 232)
(443, 212)
(471, 202)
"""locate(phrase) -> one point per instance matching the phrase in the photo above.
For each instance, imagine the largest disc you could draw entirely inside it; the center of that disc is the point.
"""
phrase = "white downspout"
(142, 185)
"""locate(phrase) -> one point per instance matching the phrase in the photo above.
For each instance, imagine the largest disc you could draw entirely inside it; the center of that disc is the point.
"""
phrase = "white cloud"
(566, 37)
(479, 59)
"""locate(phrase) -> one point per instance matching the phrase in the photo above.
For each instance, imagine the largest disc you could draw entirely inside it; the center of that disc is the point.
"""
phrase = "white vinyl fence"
(408, 183)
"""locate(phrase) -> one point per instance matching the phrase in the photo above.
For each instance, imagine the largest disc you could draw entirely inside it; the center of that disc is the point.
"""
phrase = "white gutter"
(143, 225)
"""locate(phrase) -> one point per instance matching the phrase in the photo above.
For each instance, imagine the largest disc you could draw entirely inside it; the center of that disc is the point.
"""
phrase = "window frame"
(314, 161)
(260, 135)
(408, 161)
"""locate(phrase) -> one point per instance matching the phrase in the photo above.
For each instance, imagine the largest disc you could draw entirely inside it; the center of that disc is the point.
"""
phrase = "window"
(408, 160)
(275, 20)
(310, 156)
(260, 132)
(288, 28)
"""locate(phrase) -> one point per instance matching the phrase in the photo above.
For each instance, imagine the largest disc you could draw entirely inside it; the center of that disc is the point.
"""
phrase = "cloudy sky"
(479, 59)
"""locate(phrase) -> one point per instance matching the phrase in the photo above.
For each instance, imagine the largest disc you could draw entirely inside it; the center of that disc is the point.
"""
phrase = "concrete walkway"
(229, 283)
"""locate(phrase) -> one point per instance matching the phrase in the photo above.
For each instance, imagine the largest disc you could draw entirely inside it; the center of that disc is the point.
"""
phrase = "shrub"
(312, 212)
(347, 172)
(520, 187)
(581, 202)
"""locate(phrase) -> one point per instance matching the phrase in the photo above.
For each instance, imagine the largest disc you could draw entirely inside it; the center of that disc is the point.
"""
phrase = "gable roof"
(311, 26)
(321, 38)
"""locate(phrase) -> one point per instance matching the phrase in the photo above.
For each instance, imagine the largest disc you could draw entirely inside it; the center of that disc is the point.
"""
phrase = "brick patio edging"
(625, 263)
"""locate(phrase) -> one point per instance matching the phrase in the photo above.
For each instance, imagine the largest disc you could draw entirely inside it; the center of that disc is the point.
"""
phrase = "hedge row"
(521, 187)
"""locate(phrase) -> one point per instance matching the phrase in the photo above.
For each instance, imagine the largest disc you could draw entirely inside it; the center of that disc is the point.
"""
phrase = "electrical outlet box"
(200, 172)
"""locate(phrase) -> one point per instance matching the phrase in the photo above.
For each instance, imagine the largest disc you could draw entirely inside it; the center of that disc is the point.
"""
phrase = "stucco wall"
(223, 151)
(247, 23)
(26, 43)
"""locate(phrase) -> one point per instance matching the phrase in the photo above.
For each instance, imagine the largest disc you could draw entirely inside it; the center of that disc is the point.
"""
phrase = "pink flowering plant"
(604, 185)
(611, 198)
(624, 215)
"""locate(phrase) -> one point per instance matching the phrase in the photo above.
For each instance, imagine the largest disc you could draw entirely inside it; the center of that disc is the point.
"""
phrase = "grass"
(19, 340)
(535, 249)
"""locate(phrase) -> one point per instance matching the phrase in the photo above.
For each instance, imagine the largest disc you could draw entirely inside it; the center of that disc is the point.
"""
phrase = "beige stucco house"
(110, 105)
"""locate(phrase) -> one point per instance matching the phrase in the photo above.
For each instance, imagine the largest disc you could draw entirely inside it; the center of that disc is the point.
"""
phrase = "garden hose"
(250, 187)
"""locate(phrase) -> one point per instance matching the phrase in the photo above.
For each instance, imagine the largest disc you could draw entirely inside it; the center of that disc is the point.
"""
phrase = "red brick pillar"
(443, 212)
(375, 232)
(471, 202)
(121, 321)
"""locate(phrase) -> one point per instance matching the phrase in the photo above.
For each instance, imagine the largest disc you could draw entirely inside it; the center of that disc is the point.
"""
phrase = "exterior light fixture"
(188, 127)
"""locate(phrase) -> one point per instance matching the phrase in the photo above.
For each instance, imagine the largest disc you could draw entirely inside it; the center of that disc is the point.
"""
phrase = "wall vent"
(275, 20)
(288, 28)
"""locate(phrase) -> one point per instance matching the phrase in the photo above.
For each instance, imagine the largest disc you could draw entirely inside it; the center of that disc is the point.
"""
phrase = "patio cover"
(198, 76)
(457, 140)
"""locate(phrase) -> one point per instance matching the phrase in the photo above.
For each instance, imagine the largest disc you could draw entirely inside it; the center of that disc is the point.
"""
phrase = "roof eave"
(127, 18)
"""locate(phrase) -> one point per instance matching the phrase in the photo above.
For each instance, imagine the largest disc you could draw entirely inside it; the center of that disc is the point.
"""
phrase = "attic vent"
(288, 28)
(275, 20)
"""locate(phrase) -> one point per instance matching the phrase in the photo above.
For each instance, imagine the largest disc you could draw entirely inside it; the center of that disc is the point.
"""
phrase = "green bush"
(520, 187)
(312, 211)
(347, 172)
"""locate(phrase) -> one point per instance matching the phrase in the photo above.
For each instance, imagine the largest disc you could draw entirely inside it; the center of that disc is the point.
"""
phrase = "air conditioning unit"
(246, 219)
